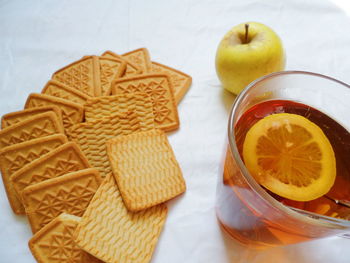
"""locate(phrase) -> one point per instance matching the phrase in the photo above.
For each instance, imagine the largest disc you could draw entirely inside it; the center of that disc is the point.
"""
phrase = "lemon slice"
(290, 156)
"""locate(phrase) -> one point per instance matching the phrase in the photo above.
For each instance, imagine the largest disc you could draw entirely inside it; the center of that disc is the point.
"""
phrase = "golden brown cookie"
(180, 81)
(111, 233)
(140, 103)
(145, 169)
(72, 113)
(82, 75)
(54, 242)
(39, 125)
(17, 116)
(92, 136)
(14, 157)
(70, 193)
(158, 86)
(57, 89)
(111, 69)
(130, 70)
(140, 57)
(62, 160)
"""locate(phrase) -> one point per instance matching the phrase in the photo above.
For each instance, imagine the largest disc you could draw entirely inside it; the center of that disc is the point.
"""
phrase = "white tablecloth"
(39, 37)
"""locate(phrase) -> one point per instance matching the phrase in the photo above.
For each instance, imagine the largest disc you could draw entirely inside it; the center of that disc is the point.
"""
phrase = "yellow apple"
(248, 51)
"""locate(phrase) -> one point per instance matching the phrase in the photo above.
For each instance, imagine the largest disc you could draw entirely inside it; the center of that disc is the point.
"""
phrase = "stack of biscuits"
(88, 160)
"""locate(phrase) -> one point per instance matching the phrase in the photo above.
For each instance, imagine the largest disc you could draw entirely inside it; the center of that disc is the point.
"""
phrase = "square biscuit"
(111, 233)
(111, 69)
(18, 116)
(140, 57)
(130, 70)
(145, 169)
(159, 87)
(70, 193)
(54, 242)
(140, 103)
(62, 160)
(14, 157)
(72, 113)
(180, 81)
(82, 75)
(39, 125)
(92, 136)
(60, 90)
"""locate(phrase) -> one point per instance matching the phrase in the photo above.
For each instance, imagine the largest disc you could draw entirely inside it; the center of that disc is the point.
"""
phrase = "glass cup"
(244, 209)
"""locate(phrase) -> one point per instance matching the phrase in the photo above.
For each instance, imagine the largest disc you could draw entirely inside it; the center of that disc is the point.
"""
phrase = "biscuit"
(82, 75)
(17, 116)
(57, 89)
(40, 125)
(72, 113)
(140, 103)
(180, 81)
(14, 157)
(92, 136)
(70, 193)
(111, 233)
(62, 160)
(139, 57)
(130, 70)
(160, 89)
(111, 69)
(54, 242)
(145, 169)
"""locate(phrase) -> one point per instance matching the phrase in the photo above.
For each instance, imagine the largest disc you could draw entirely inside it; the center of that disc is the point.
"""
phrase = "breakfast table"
(39, 37)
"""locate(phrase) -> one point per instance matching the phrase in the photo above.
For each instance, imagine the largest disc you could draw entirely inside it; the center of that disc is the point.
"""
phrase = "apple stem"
(246, 33)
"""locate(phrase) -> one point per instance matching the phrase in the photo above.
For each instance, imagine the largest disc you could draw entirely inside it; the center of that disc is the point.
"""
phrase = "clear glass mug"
(244, 209)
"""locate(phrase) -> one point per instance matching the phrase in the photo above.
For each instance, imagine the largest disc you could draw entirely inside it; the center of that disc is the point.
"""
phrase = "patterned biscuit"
(130, 70)
(14, 157)
(17, 116)
(111, 69)
(140, 103)
(40, 125)
(111, 233)
(160, 89)
(72, 113)
(62, 160)
(54, 242)
(145, 169)
(57, 89)
(92, 136)
(180, 81)
(139, 57)
(70, 193)
(82, 75)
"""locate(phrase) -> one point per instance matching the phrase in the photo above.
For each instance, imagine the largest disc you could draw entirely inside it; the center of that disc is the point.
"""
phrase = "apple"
(248, 51)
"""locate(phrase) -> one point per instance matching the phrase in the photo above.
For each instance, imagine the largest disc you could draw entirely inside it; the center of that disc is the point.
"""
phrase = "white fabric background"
(39, 37)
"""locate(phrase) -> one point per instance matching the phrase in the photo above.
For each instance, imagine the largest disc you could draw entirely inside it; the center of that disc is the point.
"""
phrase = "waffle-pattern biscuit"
(72, 113)
(14, 157)
(18, 116)
(54, 242)
(111, 69)
(130, 70)
(40, 125)
(180, 81)
(160, 89)
(139, 57)
(82, 75)
(92, 136)
(62, 160)
(140, 103)
(57, 89)
(145, 169)
(111, 233)
(70, 193)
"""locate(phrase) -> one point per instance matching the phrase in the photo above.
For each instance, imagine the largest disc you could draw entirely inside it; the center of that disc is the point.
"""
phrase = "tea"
(241, 214)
